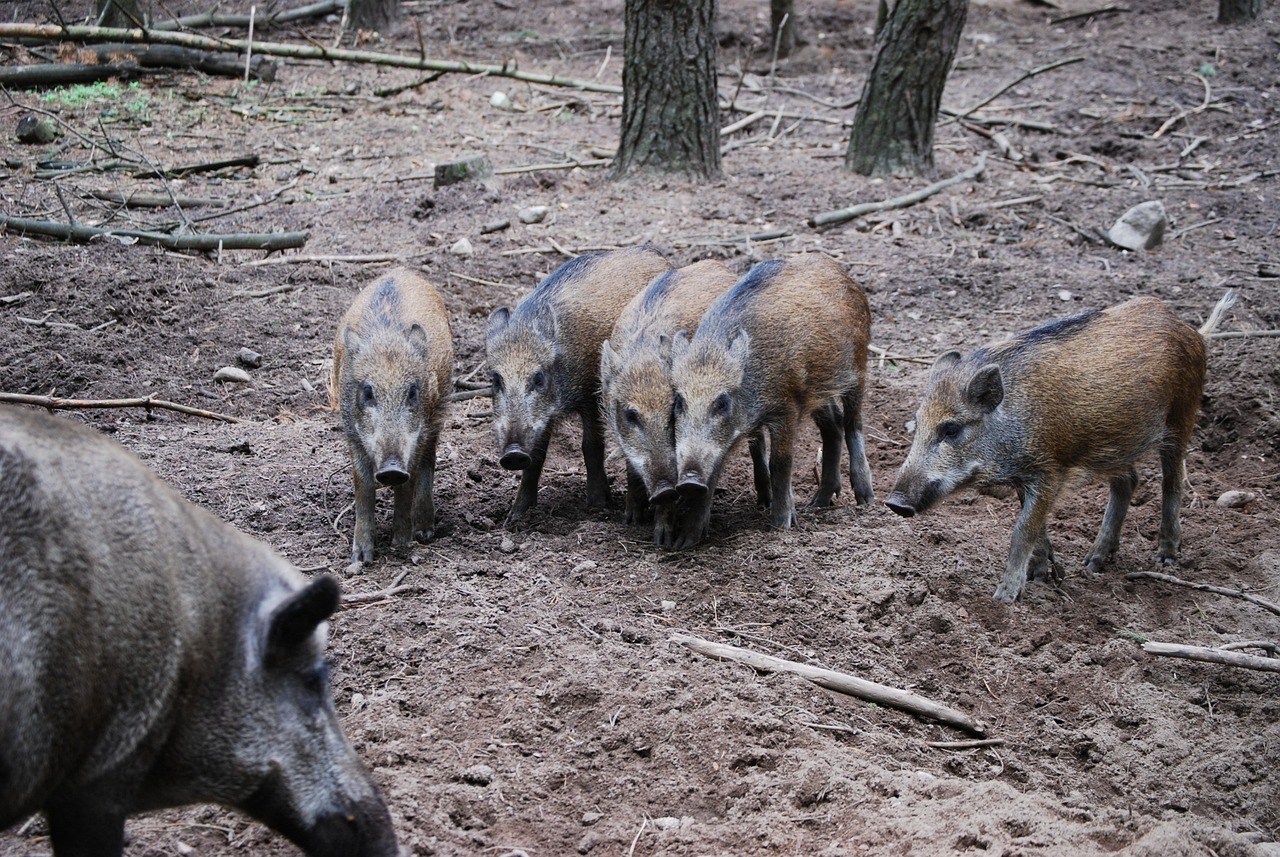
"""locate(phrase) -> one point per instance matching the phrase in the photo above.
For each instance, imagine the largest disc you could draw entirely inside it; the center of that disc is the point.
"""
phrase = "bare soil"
(525, 698)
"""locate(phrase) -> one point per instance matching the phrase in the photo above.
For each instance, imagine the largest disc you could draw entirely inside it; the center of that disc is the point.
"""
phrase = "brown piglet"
(392, 368)
(1081, 396)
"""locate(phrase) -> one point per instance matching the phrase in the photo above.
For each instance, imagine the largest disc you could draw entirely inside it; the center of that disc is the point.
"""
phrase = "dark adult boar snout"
(900, 505)
(515, 458)
(365, 831)
(663, 492)
(392, 473)
(692, 486)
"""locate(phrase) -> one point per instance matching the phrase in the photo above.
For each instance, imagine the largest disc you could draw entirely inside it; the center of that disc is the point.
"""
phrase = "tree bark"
(1238, 11)
(893, 129)
(782, 14)
(375, 15)
(670, 114)
(118, 13)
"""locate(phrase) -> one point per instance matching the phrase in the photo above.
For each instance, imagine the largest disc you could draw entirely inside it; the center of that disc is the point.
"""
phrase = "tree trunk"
(1238, 11)
(782, 14)
(670, 115)
(893, 128)
(374, 15)
(119, 13)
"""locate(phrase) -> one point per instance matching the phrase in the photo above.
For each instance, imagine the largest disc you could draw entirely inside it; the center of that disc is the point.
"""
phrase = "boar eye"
(538, 381)
(677, 405)
(367, 399)
(949, 430)
(411, 397)
(496, 379)
(631, 417)
(721, 406)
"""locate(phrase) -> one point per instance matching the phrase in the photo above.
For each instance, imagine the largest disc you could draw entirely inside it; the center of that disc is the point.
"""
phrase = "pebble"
(508, 545)
(533, 214)
(1236, 499)
(462, 247)
(478, 775)
(250, 358)
(1141, 227)
(232, 373)
(500, 101)
(585, 565)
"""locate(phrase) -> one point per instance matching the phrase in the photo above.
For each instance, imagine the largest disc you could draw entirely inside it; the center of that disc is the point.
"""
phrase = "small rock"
(250, 358)
(533, 214)
(495, 226)
(589, 841)
(462, 247)
(590, 818)
(500, 101)
(35, 129)
(232, 374)
(467, 168)
(585, 565)
(1236, 499)
(183, 848)
(353, 569)
(477, 775)
(1141, 227)
(508, 545)
(1065, 295)
(667, 606)
(667, 822)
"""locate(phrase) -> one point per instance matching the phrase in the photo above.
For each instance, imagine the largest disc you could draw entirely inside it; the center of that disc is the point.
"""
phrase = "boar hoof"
(424, 536)
(515, 458)
(361, 554)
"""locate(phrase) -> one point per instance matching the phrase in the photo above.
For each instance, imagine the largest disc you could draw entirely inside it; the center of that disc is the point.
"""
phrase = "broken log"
(203, 243)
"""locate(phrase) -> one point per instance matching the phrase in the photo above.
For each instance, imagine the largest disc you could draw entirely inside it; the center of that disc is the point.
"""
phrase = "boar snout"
(515, 458)
(692, 486)
(392, 472)
(901, 505)
(664, 492)
(363, 831)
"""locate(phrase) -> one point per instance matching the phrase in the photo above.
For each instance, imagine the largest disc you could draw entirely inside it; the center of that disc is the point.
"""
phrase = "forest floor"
(524, 697)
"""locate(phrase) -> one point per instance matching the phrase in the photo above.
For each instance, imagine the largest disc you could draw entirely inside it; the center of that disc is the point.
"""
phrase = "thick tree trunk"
(670, 115)
(1238, 11)
(893, 128)
(118, 13)
(782, 14)
(375, 15)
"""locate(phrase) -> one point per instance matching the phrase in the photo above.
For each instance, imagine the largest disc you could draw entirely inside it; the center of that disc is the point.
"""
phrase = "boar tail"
(1225, 303)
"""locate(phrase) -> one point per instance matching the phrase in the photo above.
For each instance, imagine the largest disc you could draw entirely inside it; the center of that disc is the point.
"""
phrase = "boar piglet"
(1082, 396)
(544, 361)
(635, 374)
(392, 366)
(153, 656)
(789, 339)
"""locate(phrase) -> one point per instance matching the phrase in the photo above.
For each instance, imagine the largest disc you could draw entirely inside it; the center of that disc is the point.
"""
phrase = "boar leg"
(1044, 565)
(82, 828)
(859, 470)
(1171, 504)
(1104, 548)
(424, 504)
(664, 524)
(637, 506)
(781, 441)
(593, 456)
(365, 486)
(828, 419)
(527, 494)
(760, 469)
(1029, 534)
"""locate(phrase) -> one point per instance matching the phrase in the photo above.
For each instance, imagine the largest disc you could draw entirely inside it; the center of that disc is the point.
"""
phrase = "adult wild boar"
(635, 376)
(544, 361)
(789, 339)
(152, 655)
(392, 367)
(1081, 396)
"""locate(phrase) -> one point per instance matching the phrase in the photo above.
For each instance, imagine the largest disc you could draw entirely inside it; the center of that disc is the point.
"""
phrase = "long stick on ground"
(203, 243)
(1002, 90)
(903, 201)
(55, 33)
(54, 404)
(1213, 656)
(870, 691)
(1204, 587)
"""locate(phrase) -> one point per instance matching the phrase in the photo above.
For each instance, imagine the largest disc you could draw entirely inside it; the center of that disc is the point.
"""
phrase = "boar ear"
(943, 363)
(664, 347)
(296, 618)
(986, 389)
(607, 358)
(417, 337)
(498, 319)
(740, 346)
(679, 343)
(544, 321)
(351, 341)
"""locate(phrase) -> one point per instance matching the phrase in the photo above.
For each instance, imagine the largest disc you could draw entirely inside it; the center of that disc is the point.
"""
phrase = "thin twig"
(1025, 76)
(1204, 587)
(840, 216)
(965, 745)
(52, 403)
(384, 594)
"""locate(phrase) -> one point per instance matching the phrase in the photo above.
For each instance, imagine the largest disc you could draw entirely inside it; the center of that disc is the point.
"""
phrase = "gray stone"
(1141, 227)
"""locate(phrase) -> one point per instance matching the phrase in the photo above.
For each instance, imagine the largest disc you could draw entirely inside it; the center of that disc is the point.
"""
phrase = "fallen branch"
(299, 259)
(64, 74)
(262, 22)
(1212, 656)
(269, 241)
(853, 211)
(383, 594)
(1109, 9)
(1025, 76)
(1204, 587)
(173, 56)
(55, 33)
(965, 745)
(52, 403)
(155, 200)
(840, 682)
(463, 395)
(1242, 334)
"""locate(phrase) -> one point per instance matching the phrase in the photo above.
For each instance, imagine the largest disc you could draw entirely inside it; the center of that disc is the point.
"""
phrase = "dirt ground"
(526, 698)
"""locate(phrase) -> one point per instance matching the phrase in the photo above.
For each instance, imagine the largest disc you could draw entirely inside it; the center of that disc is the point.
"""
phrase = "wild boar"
(1081, 396)
(789, 339)
(152, 656)
(635, 374)
(544, 361)
(392, 367)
